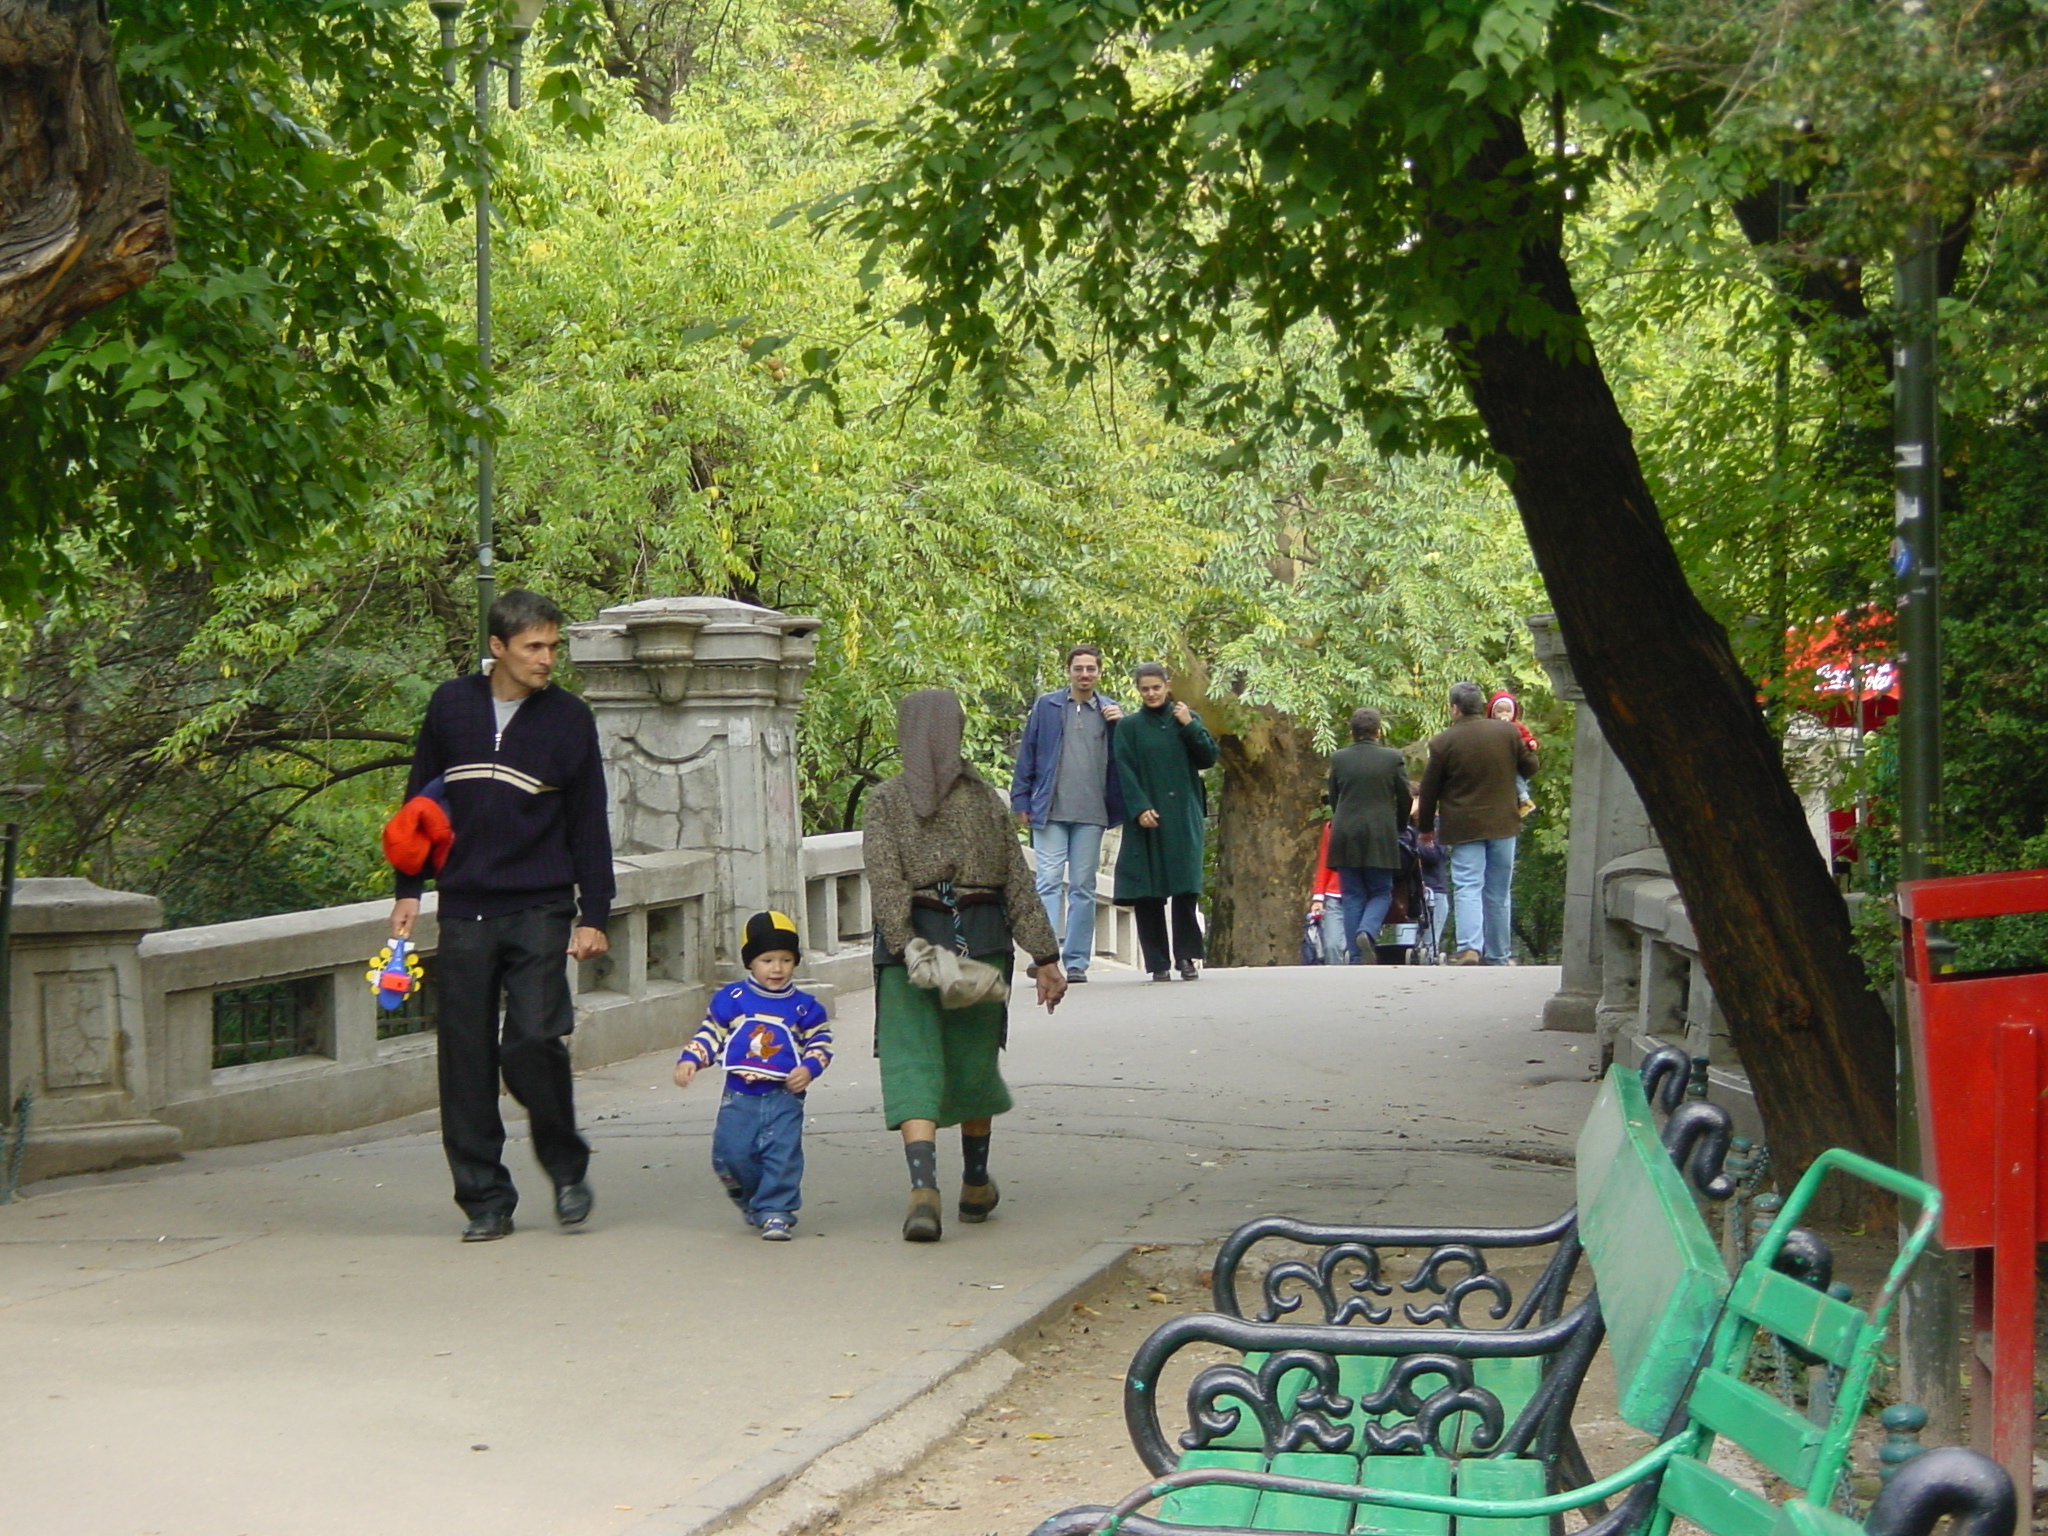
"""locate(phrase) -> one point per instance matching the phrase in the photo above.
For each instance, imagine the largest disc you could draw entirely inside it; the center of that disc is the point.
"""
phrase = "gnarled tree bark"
(1267, 831)
(84, 218)
(1683, 718)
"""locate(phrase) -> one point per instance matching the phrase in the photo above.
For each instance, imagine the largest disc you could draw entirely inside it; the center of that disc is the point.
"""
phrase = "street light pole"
(1929, 1359)
(523, 15)
(481, 444)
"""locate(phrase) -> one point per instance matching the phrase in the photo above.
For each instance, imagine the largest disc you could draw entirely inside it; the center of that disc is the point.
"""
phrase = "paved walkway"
(287, 1339)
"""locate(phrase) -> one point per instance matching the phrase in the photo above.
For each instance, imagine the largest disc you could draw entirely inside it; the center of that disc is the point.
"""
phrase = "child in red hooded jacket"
(1505, 706)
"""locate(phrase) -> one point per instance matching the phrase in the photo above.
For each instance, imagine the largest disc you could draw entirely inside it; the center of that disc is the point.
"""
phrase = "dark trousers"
(521, 958)
(1187, 931)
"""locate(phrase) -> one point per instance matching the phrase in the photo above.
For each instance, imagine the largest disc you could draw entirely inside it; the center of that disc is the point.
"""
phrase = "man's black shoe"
(1075, 978)
(573, 1203)
(1162, 975)
(487, 1228)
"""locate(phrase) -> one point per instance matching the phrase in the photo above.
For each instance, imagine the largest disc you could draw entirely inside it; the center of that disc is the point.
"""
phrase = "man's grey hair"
(1468, 699)
(1365, 724)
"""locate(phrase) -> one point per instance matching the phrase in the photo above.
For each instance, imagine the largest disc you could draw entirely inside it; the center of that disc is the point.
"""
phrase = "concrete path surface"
(288, 1340)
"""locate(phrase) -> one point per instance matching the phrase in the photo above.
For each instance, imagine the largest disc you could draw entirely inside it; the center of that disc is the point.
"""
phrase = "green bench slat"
(1710, 1501)
(1300, 1512)
(1513, 1381)
(1660, 1276)
(1774, 1434)
(1219, 1503)
(1512, 1477)
(1247, 1436)
(1404, 1474)
(1811, 1319)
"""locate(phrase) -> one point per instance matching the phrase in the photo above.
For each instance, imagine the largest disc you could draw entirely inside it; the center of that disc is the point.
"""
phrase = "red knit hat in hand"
(417, 839)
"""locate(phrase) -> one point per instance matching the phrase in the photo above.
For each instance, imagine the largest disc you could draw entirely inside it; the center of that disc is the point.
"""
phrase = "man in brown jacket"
(1468, 798)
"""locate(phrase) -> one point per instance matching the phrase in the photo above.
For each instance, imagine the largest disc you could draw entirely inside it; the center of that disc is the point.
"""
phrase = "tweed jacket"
(971, 841)
(1470, 780)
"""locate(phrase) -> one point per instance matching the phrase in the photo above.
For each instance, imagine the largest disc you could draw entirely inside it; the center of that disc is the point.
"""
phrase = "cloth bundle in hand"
(960, 982)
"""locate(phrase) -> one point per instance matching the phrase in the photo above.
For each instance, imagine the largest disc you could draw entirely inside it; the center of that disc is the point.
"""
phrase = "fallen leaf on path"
(1039, 1434)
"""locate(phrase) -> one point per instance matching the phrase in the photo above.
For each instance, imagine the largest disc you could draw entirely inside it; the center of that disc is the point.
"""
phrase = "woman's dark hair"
(520, 610)
(1151, 669)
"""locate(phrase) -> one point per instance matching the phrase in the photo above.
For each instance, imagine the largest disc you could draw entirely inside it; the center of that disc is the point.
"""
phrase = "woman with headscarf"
(944, 865)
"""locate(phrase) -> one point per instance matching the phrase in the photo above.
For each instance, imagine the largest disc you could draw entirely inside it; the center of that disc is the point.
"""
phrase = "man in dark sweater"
(528, 878)
(1468, 796)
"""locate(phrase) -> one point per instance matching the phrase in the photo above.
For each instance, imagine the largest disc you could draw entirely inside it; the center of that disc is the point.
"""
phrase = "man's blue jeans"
(1482, 887)
(757, 1151)
(1069, 856)
(1367, 895)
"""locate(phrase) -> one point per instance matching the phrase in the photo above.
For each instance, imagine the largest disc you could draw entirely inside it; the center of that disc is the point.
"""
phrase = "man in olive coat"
(1468, 798)
(1160, 751)
(1368, 804)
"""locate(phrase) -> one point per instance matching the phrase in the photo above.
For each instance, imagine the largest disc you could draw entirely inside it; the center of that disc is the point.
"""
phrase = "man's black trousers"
(521, 957)
(1187, 931)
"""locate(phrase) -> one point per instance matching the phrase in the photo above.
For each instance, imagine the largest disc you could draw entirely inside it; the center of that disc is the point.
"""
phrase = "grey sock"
(923, 1157)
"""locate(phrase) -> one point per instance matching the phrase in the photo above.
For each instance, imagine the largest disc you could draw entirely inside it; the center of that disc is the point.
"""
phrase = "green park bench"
(1401, 1432)
(1531, 1365)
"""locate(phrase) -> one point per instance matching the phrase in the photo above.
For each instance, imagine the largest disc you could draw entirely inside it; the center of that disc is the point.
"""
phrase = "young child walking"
(773, 1042)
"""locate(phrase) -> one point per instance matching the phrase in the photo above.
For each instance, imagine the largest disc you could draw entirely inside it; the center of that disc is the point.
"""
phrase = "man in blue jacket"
(1065, 789)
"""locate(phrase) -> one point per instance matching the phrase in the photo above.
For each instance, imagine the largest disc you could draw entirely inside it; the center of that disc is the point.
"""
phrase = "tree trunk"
(1663, 681)
(1266, 836)
(84, 219)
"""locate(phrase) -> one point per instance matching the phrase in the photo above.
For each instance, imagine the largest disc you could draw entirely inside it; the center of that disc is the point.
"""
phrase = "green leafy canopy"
(236, 399)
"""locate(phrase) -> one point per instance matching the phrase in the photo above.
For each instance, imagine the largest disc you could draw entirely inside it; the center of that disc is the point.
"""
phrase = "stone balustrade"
(138, 1043)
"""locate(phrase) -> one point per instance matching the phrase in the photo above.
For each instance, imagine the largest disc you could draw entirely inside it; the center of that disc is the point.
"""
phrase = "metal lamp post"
(521, 20)
(1929, 1358)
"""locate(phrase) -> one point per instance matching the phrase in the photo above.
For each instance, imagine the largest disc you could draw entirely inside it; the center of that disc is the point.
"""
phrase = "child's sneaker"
(775, 1229)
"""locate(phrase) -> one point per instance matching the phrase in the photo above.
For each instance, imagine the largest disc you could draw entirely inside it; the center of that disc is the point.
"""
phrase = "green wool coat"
(1159, 761)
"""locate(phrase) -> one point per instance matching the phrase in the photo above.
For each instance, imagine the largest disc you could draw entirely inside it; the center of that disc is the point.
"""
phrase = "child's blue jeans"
(757, 1151)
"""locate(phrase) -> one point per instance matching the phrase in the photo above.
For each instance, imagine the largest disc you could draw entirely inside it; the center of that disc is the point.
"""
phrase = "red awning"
(1844, 671)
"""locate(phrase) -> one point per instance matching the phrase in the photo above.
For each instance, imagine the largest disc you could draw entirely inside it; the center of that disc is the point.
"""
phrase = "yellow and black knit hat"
(766, 931)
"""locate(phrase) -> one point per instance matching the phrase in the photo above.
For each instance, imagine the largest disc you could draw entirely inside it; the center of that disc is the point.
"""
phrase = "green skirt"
(938, 1063)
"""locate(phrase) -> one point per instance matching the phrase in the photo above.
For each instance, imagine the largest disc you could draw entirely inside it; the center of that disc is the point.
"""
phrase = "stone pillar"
(696, 701)
(1608, 821)
(77, 1039)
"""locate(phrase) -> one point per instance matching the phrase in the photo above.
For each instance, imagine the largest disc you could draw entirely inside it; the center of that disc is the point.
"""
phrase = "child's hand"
(685, 1070)
(798, 1080)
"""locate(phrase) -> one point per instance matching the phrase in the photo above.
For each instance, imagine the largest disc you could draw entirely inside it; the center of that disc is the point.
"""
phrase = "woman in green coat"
(1160, 753)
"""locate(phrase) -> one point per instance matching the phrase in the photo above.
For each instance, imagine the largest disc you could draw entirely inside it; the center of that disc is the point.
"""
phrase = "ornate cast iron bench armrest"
(1381, 1390)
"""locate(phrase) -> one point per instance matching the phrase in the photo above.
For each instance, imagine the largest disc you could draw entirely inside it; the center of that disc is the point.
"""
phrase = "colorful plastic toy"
(396, 973)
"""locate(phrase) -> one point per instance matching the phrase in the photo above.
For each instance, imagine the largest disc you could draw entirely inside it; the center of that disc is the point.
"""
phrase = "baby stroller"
(1413, 912)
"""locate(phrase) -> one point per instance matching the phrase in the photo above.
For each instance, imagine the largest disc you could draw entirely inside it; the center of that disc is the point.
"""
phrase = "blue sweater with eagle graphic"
(760, 1037)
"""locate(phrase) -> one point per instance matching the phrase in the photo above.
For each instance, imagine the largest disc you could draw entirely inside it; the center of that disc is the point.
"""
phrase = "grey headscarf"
(929, 724)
